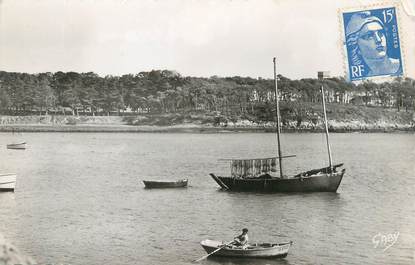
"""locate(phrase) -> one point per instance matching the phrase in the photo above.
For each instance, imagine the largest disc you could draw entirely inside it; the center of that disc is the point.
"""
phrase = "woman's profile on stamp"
(367, 46)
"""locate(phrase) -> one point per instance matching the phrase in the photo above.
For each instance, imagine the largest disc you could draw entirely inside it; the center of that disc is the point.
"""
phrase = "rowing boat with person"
(240, 247)
(258, 250)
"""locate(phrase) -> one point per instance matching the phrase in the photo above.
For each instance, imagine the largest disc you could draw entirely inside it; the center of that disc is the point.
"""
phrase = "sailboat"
(258, 174)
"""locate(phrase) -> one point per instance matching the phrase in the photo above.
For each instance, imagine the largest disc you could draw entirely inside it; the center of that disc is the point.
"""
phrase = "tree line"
(165, 91)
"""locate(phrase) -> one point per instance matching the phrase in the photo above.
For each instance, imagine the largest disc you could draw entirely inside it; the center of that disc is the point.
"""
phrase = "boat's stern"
(283, 249)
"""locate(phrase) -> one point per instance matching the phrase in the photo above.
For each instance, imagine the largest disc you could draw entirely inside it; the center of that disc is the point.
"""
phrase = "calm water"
(79, 198)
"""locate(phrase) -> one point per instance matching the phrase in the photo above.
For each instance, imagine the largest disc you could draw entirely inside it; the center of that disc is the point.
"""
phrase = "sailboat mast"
(278, 118)
(325, 124)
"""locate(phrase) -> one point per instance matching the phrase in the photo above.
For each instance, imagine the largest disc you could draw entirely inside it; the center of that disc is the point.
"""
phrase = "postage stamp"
(372, 44)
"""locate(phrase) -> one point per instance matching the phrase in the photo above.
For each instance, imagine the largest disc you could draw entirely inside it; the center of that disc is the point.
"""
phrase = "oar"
(216, 250)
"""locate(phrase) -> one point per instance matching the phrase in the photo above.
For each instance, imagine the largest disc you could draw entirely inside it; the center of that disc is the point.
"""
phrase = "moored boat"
(318, 180)
(158, 184)
(258, 174)
(264, 250)
(17, 146)
(7, 182)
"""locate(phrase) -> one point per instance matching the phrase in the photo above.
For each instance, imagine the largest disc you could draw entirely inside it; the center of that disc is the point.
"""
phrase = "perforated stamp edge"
(398, 6)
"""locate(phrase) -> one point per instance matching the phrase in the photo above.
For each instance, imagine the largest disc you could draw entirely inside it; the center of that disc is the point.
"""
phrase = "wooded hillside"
(164, 91)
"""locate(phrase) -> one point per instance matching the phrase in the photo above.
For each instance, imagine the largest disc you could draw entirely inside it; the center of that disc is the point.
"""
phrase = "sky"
(193, 37)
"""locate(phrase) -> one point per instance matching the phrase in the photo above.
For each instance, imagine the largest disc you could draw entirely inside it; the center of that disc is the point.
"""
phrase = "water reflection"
(246, 261)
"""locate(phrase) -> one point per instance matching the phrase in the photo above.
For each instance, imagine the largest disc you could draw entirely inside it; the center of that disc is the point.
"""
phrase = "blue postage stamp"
(372, 44)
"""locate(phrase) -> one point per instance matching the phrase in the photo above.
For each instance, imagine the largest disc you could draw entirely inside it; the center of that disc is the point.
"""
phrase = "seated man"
(242, 239)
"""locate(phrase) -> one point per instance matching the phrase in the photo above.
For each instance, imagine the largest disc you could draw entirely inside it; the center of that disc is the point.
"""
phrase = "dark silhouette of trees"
(165, 91)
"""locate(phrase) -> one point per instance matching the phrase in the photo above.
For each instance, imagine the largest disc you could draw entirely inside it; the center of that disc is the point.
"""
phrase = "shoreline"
(197, 124)
(184, 128)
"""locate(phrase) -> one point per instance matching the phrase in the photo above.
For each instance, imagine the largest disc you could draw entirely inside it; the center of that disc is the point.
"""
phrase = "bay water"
(80, 199)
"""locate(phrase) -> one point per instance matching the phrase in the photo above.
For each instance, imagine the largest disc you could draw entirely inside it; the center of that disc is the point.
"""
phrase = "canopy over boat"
(251, 168)
(263, 250)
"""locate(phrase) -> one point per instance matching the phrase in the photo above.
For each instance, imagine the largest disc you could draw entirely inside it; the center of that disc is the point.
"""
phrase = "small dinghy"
(263, 250)
(157, 184)
(7, 182)
(17, 146)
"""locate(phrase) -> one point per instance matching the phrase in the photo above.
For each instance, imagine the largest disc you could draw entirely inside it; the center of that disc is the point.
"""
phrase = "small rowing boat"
(17, 146)
(263, 250)
(157, 184)
(7, 182)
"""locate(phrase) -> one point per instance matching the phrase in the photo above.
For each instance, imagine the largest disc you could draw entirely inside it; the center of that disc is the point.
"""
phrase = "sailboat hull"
(322, 182)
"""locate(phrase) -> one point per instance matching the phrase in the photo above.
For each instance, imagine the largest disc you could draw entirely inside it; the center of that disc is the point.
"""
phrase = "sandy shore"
(125, 128)
(184, 128)
(118, 124)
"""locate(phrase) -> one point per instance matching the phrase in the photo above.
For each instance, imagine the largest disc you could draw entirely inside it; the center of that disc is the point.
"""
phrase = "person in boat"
(242, 239)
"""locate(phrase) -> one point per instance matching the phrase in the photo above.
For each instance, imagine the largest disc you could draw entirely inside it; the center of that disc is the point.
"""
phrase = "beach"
(164, 123)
